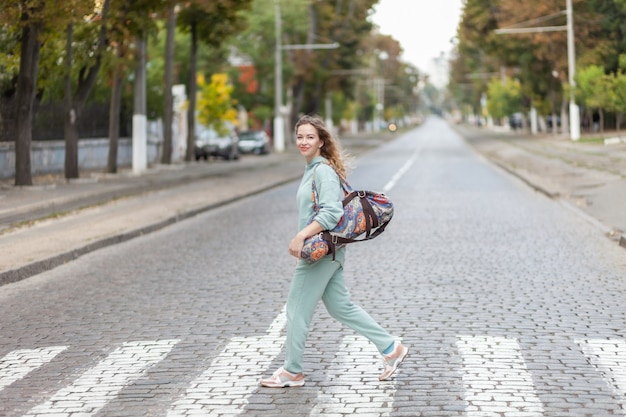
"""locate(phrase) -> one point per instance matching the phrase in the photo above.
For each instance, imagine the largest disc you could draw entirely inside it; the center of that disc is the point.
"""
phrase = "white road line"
(496, 379)
(19, 363)
(224, 388)
(609, 356)
(352, 384)
(396, 177)
(101, 384)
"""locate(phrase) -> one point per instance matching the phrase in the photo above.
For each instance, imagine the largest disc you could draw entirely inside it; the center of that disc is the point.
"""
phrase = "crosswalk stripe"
(609, 356)
(19, 363)
(496, 379)
(100, 384)
(353, 384)
(224, 388)
(494, 375)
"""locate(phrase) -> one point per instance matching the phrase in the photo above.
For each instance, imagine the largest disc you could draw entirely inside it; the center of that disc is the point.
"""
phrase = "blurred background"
(107, 84)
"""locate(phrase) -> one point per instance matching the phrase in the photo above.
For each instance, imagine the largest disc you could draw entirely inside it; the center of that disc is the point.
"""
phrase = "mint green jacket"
(329, 194)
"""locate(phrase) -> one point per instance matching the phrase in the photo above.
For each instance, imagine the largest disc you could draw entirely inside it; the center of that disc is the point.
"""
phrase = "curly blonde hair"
(331, 150)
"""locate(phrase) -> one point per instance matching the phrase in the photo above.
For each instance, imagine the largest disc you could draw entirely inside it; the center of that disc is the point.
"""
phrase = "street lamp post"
(574, 115)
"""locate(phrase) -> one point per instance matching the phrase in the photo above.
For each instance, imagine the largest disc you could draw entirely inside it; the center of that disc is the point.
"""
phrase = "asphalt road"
(510, 304)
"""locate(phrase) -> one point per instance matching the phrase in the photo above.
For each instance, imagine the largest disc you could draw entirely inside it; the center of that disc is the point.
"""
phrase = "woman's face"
(308, 141)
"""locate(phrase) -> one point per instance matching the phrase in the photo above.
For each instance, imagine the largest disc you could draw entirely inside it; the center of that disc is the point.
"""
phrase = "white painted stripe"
(352, 385)
(392, 182)
(224, 388)
(496, 379)
(609, 356)
(101, 384)
(19, 363)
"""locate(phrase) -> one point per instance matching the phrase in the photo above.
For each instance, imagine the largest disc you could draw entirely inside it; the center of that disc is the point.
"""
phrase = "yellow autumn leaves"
(215, 107)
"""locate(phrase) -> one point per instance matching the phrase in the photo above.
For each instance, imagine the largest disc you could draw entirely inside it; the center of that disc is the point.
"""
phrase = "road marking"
(493, 371)
(19, 363)
(496, 379)
(224, 388)
(100, 384)
(609, 357)
(352, 382)
(396, 177)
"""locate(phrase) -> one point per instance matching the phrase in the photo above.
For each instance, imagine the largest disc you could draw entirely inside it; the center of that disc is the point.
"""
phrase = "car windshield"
(250, 136)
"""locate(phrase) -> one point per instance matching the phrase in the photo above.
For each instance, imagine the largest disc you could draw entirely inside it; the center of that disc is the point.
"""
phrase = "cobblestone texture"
(510, 304)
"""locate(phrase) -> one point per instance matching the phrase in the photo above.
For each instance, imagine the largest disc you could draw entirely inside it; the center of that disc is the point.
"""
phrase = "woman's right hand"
(296, 245)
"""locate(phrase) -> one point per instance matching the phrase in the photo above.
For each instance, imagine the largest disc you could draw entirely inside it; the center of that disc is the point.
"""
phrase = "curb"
(556, 197)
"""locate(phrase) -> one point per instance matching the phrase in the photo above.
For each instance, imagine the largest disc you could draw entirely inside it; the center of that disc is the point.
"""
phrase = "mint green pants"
(324, 280)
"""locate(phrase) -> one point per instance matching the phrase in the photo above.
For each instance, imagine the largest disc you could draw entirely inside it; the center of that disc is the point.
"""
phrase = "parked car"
(211, 143)
(549, 121)
(254, 141)
(516, 121)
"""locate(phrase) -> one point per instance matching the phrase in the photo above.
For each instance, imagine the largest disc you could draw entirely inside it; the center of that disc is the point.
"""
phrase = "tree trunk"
(193, 91)
(114, 118)
(71, 113)
(26, 90)
(601, 120)
(168, 115)
(565, 128)
(75, 103)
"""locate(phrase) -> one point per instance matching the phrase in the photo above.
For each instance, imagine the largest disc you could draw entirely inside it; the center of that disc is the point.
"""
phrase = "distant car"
(211, 143)
(516, 121)
(550, 121)
(254, 141)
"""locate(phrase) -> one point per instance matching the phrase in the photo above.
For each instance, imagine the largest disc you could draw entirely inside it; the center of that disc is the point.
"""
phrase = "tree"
(31, 18)
(130, 20)
(75, 101)
(215, 106)
(38, 20)
(343, 22)
(592, 89)
(616, 87)
(503, 97)
(210, 22)
(534, 58)
(120, 39)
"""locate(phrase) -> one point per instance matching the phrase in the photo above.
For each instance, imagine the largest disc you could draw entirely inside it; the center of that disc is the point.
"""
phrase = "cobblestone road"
(511, 306)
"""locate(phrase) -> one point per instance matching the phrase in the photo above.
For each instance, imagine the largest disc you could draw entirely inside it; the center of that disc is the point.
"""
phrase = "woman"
(323, 279)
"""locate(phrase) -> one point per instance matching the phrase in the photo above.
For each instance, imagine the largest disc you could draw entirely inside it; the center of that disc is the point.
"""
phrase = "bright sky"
(424, 28)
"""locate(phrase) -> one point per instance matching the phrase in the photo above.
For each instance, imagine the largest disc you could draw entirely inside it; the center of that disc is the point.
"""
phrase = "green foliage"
(9, 57)
(591, 86)
(600, 90)
(616, 87)
(503, 97)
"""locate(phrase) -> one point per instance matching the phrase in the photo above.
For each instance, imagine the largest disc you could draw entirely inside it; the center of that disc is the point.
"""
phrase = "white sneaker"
(391, 361)
(282, 379)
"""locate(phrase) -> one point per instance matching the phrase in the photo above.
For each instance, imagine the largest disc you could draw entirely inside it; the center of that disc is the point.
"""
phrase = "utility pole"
(574, 116)
(279, 124)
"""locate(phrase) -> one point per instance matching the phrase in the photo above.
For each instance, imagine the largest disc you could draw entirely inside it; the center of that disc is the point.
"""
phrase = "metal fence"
(49, 121)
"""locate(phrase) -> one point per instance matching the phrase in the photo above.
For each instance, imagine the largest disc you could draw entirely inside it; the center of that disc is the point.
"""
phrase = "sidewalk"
(54, 222)
(587, 177)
